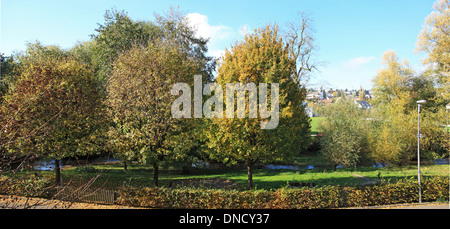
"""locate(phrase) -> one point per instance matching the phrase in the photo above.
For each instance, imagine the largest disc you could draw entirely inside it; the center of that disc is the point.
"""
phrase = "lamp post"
(418, 147)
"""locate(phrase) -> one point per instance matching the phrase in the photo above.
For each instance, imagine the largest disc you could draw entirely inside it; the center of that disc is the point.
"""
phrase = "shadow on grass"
(142, 176)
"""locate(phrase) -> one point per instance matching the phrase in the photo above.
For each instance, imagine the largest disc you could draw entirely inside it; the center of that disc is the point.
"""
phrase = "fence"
(89, 195)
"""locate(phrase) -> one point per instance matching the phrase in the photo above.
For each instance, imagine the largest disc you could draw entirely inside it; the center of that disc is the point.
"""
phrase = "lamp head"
(421, 101)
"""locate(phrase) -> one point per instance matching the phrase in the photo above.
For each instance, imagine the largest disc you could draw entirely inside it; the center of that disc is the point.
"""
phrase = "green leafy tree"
(140, 101)
(344, 137)
(361, 94)
(116, 35)
(119, 33)
(174, 26)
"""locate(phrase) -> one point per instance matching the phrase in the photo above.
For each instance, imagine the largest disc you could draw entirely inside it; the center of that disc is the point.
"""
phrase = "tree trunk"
(57, 173)
(155, 173)
(186, 169)
(125, 165)
(250, 175)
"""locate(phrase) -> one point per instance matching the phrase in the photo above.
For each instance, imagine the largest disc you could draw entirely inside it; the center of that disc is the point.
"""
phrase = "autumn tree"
(396, 89)
(434, 40)
(139, 100)
(55, 106)
(263, 57)
(118, 34)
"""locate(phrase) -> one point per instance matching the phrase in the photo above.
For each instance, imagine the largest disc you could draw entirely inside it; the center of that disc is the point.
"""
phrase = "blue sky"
(351, 34)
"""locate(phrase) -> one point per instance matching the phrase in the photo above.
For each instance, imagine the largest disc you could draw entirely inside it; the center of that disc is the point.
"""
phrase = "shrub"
(29, 187)
(403, 191)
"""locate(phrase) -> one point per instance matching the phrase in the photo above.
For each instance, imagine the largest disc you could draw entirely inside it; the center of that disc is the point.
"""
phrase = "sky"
(351, 35)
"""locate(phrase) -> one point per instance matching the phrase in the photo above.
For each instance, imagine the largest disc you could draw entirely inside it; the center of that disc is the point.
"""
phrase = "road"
(19, 202)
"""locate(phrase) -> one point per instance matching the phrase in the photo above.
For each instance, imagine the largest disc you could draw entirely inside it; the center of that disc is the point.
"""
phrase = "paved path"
(421, 206)
(19, 202)
(410, 206)
(367, 180)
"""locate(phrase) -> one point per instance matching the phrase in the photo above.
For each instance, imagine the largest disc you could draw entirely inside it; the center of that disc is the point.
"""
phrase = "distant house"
(363, 104)
(313, 95)
(317, 95)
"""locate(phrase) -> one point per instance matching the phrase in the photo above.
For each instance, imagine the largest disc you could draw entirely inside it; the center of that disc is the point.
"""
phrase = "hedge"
(403, 191)
(385, 193)
(29, 187)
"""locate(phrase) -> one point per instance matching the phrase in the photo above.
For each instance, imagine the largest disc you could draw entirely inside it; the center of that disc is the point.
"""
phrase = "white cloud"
(217, 34)
(218, 52)
(205, 30)
(357, 63)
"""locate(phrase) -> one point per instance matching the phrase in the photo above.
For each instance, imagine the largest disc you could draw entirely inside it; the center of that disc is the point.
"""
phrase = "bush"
(29, 187)
(403, 191)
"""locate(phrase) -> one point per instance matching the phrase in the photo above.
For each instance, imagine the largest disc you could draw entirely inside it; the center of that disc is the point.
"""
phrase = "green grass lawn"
(112, 176)
(315, 124)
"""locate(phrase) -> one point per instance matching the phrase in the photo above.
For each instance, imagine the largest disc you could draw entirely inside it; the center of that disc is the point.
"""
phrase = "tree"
(174, 26)
(262, 57)
(7, 65)
(391, 83)
(116, 35)
(57, 106)
(343, 137)
(434, 40)
(139, 100)
(301, 45)
(397, 89)
(392, 138)
(361, 94)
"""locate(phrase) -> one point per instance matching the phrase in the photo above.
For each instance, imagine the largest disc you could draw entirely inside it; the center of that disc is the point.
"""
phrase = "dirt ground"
(19, 202)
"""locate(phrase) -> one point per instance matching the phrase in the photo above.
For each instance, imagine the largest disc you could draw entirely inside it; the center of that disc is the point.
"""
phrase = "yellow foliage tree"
(262, 57)
(434, 40)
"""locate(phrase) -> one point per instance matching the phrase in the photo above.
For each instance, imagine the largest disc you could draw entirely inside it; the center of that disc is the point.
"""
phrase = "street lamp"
(418, 146)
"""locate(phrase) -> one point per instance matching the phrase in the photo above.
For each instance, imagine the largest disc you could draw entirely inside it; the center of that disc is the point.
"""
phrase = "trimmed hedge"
(403, 191)
(29, 187)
